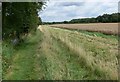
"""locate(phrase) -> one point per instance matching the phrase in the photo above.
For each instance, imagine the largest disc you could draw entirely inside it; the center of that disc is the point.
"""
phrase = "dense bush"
(19, 19)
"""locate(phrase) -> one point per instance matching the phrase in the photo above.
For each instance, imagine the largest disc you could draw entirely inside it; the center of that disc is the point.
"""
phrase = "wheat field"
(106, 28)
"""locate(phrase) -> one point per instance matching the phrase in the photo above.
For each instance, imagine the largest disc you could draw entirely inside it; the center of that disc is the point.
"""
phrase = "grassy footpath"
(19, 63)
(59, 54)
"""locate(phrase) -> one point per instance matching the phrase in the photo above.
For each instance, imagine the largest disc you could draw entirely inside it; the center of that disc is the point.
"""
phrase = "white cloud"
(69, 9)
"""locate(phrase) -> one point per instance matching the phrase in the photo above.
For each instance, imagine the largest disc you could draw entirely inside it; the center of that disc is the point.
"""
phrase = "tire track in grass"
(22, 67)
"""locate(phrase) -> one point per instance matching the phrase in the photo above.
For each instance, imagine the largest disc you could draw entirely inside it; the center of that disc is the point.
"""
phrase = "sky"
(65, 10)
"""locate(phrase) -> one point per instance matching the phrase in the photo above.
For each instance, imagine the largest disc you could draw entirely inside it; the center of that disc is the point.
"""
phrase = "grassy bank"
(98, 53)
(61, 54)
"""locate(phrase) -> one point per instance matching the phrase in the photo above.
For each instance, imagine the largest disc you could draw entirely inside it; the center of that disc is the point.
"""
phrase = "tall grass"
(102, 60)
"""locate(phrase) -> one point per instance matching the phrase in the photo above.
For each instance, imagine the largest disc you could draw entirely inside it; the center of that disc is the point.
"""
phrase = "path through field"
(59, 54)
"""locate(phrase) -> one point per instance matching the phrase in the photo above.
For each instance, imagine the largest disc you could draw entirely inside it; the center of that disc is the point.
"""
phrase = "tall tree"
(19, 18)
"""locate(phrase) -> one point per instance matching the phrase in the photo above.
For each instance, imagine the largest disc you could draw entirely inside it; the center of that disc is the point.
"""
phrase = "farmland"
(62, 54)
(106, 28)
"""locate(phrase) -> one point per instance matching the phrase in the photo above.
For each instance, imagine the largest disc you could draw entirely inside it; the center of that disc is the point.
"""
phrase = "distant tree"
(65, 22)
(105, 18)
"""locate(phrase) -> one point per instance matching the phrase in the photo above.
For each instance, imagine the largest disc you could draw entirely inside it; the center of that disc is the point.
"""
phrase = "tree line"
(105, 18)
(19, 18)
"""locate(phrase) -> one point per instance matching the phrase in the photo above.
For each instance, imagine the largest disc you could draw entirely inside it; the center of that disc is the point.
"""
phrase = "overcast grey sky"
(71, 9)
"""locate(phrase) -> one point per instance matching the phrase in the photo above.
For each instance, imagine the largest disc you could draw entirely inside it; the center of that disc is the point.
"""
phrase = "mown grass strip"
(21, 66)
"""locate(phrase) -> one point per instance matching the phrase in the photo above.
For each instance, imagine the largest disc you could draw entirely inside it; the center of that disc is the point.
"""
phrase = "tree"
(19, 18)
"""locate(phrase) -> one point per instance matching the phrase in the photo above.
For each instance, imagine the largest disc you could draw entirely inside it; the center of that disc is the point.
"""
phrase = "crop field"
(62, 54)
(106, 28)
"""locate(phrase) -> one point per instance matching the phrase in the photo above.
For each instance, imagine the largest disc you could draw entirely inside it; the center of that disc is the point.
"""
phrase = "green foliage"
(20, 18)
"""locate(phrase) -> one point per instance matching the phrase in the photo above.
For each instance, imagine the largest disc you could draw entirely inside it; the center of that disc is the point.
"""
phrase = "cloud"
(70, 3)
(67, 10)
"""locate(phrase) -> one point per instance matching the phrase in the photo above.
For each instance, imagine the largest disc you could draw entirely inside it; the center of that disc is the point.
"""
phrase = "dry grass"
(97, 53)
(106, 28)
